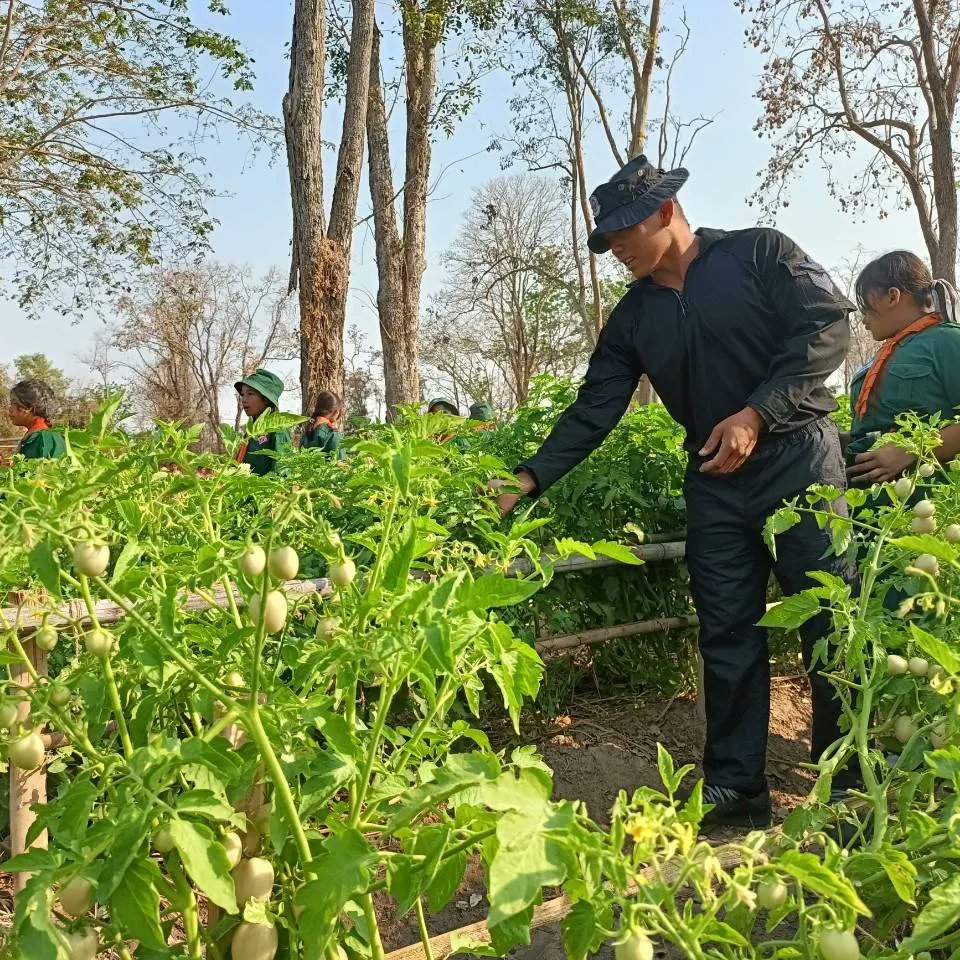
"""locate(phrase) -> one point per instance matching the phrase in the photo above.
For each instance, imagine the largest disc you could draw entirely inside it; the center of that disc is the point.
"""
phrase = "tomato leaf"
(583, 931)
(129, 555)
(939, 915)
(401, 556)
(135, 905)
(792, 612)
(495, 590)
(205, 860)
(526, 860)
(343, 869)
(811, 872)
(43, 562)
(943, 653)
(927, 543)
(616, 551)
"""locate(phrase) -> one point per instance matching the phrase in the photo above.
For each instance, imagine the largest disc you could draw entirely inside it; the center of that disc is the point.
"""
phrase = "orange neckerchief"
(323, 422)
(242, 452)
(38, 423)
(886, 351)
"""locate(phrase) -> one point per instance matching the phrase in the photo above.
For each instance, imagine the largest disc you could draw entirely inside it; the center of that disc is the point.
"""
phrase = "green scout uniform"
(450, 408)
(921, 376)
(42, 444)
(254, 450)
(322, 435)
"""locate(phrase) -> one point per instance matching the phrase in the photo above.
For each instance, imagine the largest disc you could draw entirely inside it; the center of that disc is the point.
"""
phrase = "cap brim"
(638, 211)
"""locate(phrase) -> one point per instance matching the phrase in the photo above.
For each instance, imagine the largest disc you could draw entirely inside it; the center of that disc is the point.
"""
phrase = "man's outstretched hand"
(732, 441)
(508, 500)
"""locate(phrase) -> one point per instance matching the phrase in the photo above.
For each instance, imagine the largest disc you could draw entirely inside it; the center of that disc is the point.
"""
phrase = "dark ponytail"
(906, 272)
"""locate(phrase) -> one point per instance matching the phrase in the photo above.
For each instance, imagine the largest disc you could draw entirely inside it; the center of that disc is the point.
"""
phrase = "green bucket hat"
(449, 405)
(267, 384)
(481, 411)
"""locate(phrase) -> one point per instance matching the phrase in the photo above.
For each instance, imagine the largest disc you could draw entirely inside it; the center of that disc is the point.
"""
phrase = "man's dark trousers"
(730, 566)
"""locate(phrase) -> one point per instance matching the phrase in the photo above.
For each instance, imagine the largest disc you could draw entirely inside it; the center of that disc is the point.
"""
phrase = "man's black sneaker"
(734, 809)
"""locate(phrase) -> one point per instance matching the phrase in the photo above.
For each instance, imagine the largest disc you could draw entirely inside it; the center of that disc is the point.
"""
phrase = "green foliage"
(97, 179)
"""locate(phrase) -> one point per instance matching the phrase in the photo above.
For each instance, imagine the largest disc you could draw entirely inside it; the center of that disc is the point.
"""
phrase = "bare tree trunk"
(421, 34)
(642, 75)
(321, 255)
(400, 259)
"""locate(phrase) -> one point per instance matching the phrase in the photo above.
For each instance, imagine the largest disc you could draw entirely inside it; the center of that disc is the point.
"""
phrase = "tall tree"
(320, 264)
(400, 245)
(104, 107)
(873, 83)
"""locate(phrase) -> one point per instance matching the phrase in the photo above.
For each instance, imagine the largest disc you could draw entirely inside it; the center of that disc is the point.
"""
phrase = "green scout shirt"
(921, 376)
(279, 442)
(42, 445)
(322, 437)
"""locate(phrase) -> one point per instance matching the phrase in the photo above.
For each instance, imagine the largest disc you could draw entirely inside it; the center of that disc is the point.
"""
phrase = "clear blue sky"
(717, 76)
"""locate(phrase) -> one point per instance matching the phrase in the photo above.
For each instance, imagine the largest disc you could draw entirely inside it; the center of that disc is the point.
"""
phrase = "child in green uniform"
(323, 431)
(260, 392)
(443, 405)
(31, 406)
(917, 368)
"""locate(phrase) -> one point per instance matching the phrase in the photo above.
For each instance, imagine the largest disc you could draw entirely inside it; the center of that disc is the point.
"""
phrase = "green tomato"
(59, 695)
(921, 525)
(283, 563)
(91, 558)
(327, 627)
(927, 470)
(839, 945)
(896, 665)
(98, 642)
(163, 841)
(274, 611)
(637, 946)
(253, 879)
(772, 894)
(252, 562)
(918, 666)
(233, 679)
(82, 944)
(233, 847)
(904, 728)
(343, 574)
(927, 563)
(76, 897)
(254, 941)
(924, 509)
(952, 533)
(46, 638)
(903, 488)
(940, 737)
(27, 751)
(9, 715)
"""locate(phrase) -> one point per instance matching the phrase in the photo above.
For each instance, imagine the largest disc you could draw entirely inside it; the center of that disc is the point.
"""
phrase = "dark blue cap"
(632, 194)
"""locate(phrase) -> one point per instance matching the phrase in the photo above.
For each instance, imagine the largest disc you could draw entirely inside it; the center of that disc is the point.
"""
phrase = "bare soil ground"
(596, 749)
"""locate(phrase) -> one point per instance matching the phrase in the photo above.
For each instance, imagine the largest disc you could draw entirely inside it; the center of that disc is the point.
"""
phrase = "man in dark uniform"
(738, 332)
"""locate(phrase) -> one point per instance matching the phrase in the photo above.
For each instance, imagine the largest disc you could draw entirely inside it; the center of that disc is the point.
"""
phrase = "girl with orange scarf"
(32, 407)
(917, 368)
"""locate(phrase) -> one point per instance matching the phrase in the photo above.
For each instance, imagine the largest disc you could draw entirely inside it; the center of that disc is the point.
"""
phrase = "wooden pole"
(571, 641)
(27, 787)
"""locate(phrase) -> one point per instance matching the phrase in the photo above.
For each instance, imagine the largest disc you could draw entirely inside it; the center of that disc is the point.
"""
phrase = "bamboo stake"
(571, 641)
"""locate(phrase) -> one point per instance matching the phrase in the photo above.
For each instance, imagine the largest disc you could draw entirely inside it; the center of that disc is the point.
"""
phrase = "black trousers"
(730, 568)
